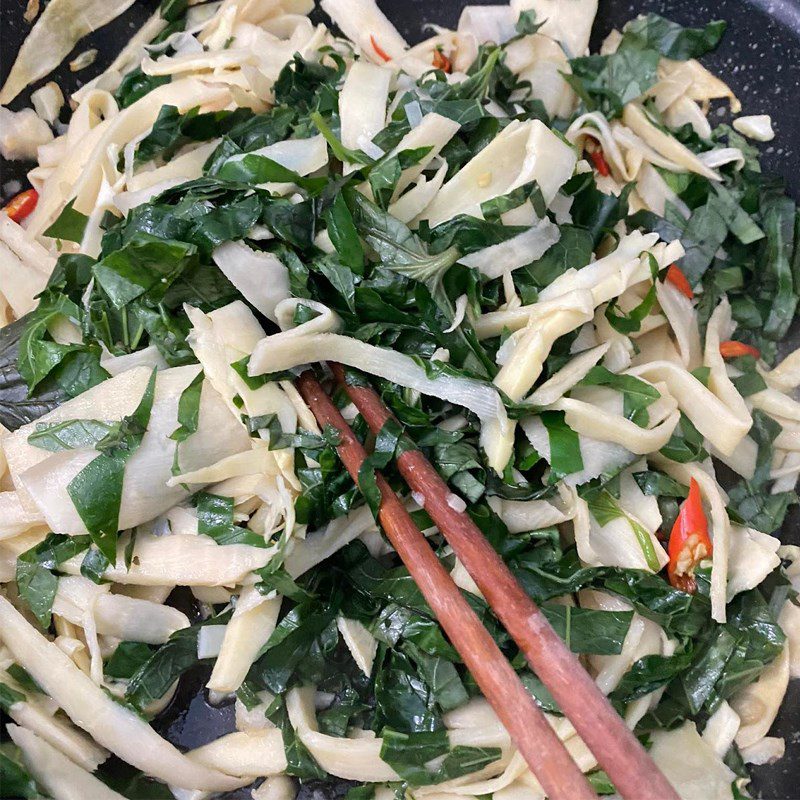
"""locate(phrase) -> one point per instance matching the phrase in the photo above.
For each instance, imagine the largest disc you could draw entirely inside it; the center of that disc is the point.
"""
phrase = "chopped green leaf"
(673, 40)
(188, 416)
(69, 225)
(565, 450)
(604, 508)
(96, 490)
(215, 519)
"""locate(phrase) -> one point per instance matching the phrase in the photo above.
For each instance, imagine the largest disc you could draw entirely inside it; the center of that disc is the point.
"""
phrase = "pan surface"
(759, 58)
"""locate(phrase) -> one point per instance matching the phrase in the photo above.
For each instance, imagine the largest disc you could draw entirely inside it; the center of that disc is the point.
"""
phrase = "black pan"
(759, 58)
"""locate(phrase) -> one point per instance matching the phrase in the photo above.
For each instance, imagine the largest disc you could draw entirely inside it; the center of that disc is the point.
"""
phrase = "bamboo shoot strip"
(618, 751)
(536, 740)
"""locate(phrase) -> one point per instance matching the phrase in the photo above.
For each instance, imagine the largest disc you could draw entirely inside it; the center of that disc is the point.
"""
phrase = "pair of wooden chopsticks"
(616, 749)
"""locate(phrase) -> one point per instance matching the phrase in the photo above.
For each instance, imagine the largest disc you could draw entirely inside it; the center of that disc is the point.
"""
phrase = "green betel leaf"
(478, 82)
(658, 484)
(526, 23)
(19, 405)
(586, 630)
(467, 234)
(440, 674)
(389, 443)
(39, 354)
(648, 674)
(172, 130)
(15, 781)
(69, 225)
(36, 583)
(339, 151)
(172, 10)
(631, 321)
(135, 85)
(214, 515)
(637, 394)
(686, 443)
(565, 450)
(189, 409)
(188, 417)
(215, 519)
(23, 678)
(339, 276)
(410, 755)
(459, 463)
(609, 82)
(385, 174)
(572, 251)
(248, 696)
(494, 208)
(74, 434)
(344, 235)
(304, 638)
(739, 222)
(730, 656)
(465, 760)
(94, 565)
(342, 713)
(299, 761)
(750, 381)
(777, 284)
(271, 425)
(9, 697)
(132, 784)
(597, 212)
(673, 40)
(96, 491)
(37, 586)
(145, 264)
(259, 130)
(750, 501)
(127, 659)
(600, 782)
(275, 578)
(55, 549)
(604, 508)
(364, 792)
(396, 246)
(153, 678)
(255, 169)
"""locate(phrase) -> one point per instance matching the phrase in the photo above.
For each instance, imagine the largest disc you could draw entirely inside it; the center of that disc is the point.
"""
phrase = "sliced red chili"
(734, 349)
(441, 61)
(599, 161)
(22, 205)
(689, 542)
(676, 277)
(379, 50)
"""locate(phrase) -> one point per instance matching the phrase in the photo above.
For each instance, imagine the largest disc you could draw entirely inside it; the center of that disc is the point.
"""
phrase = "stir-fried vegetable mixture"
(568, 287)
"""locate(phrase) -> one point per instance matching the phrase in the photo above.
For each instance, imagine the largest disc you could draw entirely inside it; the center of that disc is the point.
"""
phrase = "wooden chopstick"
(617, 750)
(533, 736)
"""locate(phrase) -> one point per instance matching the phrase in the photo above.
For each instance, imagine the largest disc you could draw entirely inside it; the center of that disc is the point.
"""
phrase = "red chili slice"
(22, 205)
(599, 161)
(379, 50)
(734, 349)
(676, 277)
(689, 542)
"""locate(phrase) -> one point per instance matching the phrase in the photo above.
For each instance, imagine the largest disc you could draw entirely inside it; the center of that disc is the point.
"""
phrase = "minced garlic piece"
(758, 127)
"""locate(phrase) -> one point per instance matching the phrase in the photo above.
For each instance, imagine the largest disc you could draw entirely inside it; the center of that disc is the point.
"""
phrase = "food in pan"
(567, 284)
